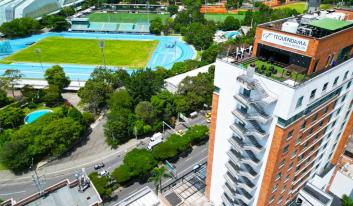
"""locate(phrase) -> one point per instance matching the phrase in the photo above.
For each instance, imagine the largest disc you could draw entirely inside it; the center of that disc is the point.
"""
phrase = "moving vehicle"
(98, 166)
(156, 136)
(154, 143)
(193, 114)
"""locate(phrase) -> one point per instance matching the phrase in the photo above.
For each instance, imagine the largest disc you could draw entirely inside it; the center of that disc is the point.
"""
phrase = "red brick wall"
(279, 142)
(317, 49)
(211, 143)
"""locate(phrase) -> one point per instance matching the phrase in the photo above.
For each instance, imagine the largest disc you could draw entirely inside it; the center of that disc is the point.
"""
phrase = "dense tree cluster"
(139, 163)
(140, 108)
(50, 135)
(4, 99)
(20, 27)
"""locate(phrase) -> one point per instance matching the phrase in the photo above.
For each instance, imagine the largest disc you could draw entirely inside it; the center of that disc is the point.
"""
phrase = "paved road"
(184, 165)
(94, 151)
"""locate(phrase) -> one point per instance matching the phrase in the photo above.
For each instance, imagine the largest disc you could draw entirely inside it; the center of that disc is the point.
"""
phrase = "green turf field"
(124, 17)
(87, 51)
(301, 6)
(222, 17)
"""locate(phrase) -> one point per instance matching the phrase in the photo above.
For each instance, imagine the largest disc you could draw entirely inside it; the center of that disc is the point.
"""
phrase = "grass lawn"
(124, 17)
(222, 17)
(86, 51)
(301, 6)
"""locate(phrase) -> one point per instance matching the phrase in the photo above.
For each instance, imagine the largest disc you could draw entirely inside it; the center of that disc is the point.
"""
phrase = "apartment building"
(283, 116)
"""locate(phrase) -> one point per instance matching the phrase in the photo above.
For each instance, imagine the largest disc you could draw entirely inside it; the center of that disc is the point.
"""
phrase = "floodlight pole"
(101, 45)
(38, 52)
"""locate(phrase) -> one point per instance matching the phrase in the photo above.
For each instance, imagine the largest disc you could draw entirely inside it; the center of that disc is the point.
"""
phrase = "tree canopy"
(56, 76)
(20, 27)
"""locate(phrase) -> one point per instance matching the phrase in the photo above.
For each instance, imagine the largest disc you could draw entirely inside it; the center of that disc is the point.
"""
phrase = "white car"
(103, 173)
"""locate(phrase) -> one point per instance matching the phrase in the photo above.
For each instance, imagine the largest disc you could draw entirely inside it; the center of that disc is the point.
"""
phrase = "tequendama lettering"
(285, 39)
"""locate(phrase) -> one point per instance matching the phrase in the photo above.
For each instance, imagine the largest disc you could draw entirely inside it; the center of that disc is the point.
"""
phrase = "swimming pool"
(162, 56)
(33, 116)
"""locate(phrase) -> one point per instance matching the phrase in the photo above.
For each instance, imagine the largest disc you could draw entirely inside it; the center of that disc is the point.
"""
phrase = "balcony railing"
(226, 200)
(245, 116)
(252, 144)
(245, 132)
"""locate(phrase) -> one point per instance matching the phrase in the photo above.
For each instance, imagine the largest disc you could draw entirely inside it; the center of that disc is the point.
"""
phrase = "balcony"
(249, 158)
(246, 184)
(226, 200)
(251, 144)
(243, 197)
(245, 170)
(230, 179)
(229, 191)
(245, 132)
(246, 116)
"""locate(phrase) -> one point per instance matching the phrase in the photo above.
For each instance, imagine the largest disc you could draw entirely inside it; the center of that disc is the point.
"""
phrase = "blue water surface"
(162, 56)
(33, 116)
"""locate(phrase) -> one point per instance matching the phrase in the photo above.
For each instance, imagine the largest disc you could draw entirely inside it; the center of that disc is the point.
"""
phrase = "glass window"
(345, 75)
(325, 87)
(335, 81)
(312, 94)
(290, 166)
(349, 85)
(325, 110)
(285, 149)
(299, 102)
(315, 117)
(299, 139)
(290, 135)
(303, 125)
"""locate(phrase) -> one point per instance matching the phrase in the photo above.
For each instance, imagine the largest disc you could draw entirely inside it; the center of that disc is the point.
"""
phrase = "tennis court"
(163, 55)
(222, 17)
(124, 17)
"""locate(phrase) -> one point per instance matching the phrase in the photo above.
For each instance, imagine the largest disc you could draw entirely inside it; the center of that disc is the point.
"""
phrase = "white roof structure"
(342, 183)
(41, 84)
(143, 197)
(172, 83)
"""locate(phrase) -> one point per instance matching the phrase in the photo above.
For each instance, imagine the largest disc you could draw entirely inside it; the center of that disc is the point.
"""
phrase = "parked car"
(103, 173)
(98, 166)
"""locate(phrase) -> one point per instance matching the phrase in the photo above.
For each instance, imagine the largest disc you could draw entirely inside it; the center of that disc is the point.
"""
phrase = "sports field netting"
(125, 17)
(222, 17)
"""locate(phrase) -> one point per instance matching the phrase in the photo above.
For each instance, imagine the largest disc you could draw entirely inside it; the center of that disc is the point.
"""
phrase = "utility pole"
(135, 132)
(37, 180)
(38, 52)
(101, 45)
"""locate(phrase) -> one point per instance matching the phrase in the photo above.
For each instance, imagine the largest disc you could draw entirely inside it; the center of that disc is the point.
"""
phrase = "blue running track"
(163, 56)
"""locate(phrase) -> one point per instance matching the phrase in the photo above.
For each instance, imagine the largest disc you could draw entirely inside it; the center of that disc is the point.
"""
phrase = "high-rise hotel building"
(281, 118)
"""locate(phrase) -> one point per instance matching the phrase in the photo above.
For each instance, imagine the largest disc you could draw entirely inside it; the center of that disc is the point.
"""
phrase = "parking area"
(189, 189)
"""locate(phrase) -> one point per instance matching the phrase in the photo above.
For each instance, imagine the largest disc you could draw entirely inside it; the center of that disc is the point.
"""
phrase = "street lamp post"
(38, 52)
(101, 45)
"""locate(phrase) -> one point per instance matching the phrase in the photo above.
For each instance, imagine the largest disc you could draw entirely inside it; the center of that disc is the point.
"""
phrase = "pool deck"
(162, 56)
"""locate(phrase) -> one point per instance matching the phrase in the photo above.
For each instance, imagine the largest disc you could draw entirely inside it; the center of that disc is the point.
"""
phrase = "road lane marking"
(12, 193)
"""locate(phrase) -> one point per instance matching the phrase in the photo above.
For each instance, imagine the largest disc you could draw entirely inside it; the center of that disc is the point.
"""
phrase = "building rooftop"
(316, 194)
(330, 24)
(63, 193)
(314, 25)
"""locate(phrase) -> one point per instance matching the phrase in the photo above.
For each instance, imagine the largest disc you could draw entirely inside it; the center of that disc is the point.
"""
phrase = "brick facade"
(211, 143)
(318, 49)
(285, 163)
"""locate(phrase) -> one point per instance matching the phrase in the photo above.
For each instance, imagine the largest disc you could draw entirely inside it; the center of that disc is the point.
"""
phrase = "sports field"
(301, 6)
(124, 17)
(222, 17)
(124, 53)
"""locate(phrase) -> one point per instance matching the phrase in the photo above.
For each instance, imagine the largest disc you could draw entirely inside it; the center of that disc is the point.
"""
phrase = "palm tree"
(157, 175)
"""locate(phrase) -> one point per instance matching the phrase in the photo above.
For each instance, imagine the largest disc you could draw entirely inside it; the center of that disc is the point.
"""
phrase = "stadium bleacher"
(85, 25)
